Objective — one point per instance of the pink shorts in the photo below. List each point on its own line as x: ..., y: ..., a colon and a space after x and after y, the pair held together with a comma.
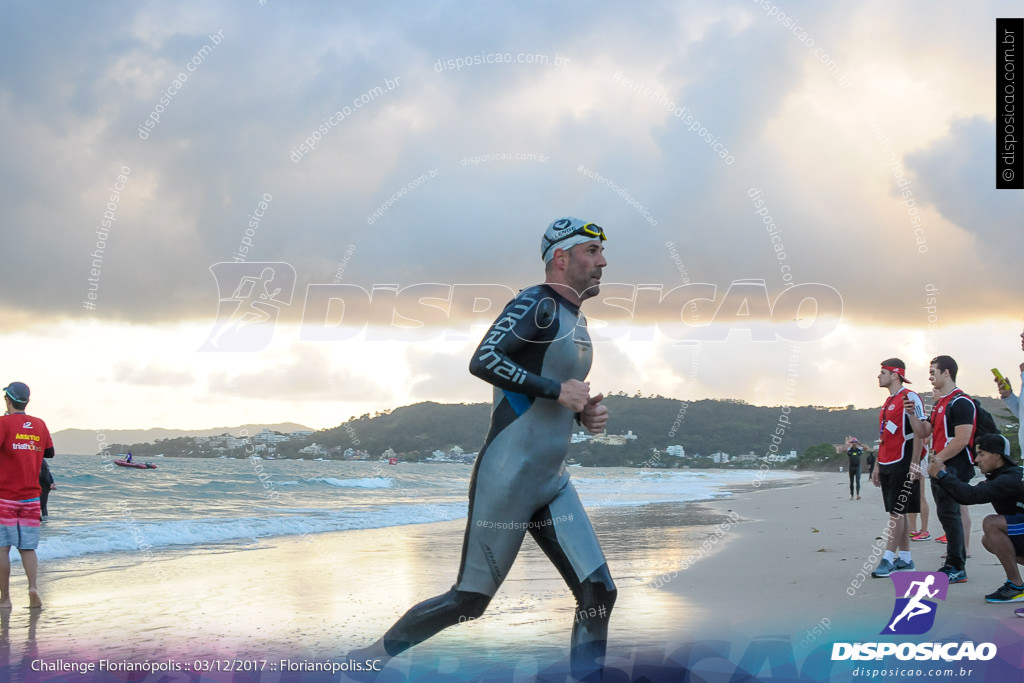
x: 19, y: 524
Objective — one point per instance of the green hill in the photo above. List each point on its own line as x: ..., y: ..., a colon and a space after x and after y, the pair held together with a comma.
x: 701, y: 427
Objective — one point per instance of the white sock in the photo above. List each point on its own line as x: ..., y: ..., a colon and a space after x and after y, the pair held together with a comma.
x: 905, y: 555
x: 889, y: 555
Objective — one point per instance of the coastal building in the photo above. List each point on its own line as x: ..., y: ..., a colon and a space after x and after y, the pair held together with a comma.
x: 782, y: 457
x: 720, y: 457
x: 676, y: 451
x: 268, y: 437
x: 579, y: 437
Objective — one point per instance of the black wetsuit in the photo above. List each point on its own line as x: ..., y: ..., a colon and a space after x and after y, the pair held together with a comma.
x: 519, y: 481
x: 45, y: 482
x: 854, y: 453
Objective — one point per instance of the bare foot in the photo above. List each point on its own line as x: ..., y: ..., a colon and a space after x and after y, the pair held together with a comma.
x: 33, y: 599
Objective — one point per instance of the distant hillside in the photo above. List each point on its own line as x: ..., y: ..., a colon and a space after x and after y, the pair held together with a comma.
x: 701, y: 427
x: 84, y: 441
x: 704, y: 427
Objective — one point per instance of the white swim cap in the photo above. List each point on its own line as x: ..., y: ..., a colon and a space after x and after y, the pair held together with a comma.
x: 566, y: 233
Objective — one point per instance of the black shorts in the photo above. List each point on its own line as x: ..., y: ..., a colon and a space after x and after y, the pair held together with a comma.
x: 1015, y: 529
x: 900, y: 494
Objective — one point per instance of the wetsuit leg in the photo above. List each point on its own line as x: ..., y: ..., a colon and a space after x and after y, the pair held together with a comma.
x: 431, y: 616
x: 595, y: 596
x: 488, y: 551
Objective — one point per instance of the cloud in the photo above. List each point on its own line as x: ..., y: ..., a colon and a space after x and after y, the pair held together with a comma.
x: 441, y: 376
x: 307, y: 376
x: 955, y: 174
x: 152, y: 375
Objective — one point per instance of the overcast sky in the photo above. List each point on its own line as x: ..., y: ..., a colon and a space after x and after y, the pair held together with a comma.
x: 762, y: 154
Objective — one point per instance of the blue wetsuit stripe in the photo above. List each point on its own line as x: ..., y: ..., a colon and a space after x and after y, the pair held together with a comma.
x: 519, y: 402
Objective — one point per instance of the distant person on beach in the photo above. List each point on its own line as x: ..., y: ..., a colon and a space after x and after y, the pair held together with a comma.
x: 1003, y: 532
x: 24, y: 442
x: 951, y: 428
x: 46, y: 484
x: 870, y: 460
x: 899, y: 464
x: 537, y: 355
x: 854, y: 452
x: 1013, y: 401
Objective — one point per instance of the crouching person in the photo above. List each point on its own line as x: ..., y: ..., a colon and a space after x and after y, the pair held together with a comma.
x: 1003, y: 488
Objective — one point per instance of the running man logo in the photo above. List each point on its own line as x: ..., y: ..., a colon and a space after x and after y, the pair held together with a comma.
x: 913, y: 613
x: 250, y: 298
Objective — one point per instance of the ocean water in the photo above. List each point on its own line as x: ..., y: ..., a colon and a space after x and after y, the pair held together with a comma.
x: 104, y: 515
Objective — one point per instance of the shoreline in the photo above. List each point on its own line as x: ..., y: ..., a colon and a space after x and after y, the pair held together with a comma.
x: 322, y: 595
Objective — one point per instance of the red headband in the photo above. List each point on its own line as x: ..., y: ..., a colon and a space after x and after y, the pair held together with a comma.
x: 897, y: 371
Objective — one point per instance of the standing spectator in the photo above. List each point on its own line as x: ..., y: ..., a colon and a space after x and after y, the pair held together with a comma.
x: 951, y: 427
x: 899, y: 460
x: 1013, y: 401
x: 854, y: 451
x: 24, y: 441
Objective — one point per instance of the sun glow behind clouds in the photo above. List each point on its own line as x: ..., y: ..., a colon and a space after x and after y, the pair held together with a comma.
x: 116, y: 376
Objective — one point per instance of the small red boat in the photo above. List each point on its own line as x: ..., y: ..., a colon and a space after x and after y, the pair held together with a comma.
x: 136, y: 465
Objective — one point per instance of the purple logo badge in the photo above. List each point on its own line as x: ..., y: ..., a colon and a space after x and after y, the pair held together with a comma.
x: 914, y: 611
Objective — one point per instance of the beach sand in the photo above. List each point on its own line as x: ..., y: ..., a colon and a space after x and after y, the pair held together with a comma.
x: 797, y: 571
x: 775, y: 563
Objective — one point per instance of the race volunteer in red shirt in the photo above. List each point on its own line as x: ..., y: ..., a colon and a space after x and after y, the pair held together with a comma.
x: 24, y: 441
x: 899, y: 460
x: 951, y: 426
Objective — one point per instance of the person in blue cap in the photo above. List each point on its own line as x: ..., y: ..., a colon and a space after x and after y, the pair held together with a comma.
x: 24, y: 442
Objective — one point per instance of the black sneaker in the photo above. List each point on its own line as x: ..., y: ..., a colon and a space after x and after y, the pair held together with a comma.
x: 1006, y: 593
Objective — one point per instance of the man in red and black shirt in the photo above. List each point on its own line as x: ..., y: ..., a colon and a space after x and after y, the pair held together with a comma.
x: 951, y: 427
x: 24, y: 441
x: 899, y: 464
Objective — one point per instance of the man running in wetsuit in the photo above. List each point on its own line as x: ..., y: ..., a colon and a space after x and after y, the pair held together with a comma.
x: 536, y: 355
